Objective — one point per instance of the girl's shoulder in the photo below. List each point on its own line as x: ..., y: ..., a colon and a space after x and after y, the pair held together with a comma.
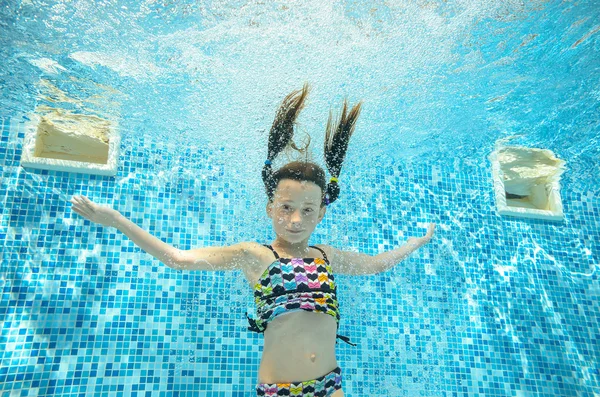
x: 329, y: 250
x: 252, y: 248
x: 255, y: 252
x: 334, y: 256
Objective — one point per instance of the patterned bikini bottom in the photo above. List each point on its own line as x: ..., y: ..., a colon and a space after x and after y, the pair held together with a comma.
x: 324, y: 386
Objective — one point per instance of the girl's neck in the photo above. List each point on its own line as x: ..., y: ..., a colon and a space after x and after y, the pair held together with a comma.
x: 295, y: 250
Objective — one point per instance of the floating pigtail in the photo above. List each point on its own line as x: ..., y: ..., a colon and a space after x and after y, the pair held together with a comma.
x: 337, y: 137
x: 282, y: 132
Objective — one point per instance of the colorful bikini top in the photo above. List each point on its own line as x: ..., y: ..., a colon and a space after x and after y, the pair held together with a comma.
x: 294, y: 284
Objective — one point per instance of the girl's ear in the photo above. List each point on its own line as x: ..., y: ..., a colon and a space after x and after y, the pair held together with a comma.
x: 269, y: 209
x: 322, y: 212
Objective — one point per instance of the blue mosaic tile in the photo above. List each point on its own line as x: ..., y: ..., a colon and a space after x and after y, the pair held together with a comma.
x: 509, y: 309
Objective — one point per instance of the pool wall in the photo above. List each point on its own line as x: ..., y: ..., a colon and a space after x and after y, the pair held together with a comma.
x: 493, y: 306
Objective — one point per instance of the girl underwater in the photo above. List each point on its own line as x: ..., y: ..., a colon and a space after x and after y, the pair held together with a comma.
x: 287, y: 276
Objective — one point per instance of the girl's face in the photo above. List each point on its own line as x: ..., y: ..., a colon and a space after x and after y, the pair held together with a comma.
x: 296, y: 209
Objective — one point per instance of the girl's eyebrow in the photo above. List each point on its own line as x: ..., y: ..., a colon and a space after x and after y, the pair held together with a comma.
x: 304, y: 202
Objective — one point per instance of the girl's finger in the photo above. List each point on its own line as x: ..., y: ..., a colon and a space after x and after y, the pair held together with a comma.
x: 83, y: 203
x: 88, y: 203
x: 82, y: 210
x: 77, y: 212
x: 431, y: 229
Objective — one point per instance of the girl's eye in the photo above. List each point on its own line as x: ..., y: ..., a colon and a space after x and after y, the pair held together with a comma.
x: 308, y: 210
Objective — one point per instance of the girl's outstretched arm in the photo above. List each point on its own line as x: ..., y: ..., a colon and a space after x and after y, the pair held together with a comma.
x: 210, y: 258
x: 355, y: 263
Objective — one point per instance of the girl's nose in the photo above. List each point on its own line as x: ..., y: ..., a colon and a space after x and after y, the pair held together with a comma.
x: 296, y: 218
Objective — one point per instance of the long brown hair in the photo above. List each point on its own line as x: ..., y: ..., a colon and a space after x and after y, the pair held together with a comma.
x: 337, y: 137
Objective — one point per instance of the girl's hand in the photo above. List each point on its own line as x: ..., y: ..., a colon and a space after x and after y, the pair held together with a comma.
x: 105, y: 216
x: 425, y: 239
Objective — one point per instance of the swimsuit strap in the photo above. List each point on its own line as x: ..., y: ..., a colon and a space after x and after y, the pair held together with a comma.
x: 323, y: 252
x: 344, y: 338
x: 271, y: 248
x: 312, y: 246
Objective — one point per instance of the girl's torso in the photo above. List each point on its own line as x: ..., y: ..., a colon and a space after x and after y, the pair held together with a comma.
x: 299, y: 345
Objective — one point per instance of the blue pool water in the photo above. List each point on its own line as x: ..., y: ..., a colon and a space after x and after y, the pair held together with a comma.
x: 493, y: 306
